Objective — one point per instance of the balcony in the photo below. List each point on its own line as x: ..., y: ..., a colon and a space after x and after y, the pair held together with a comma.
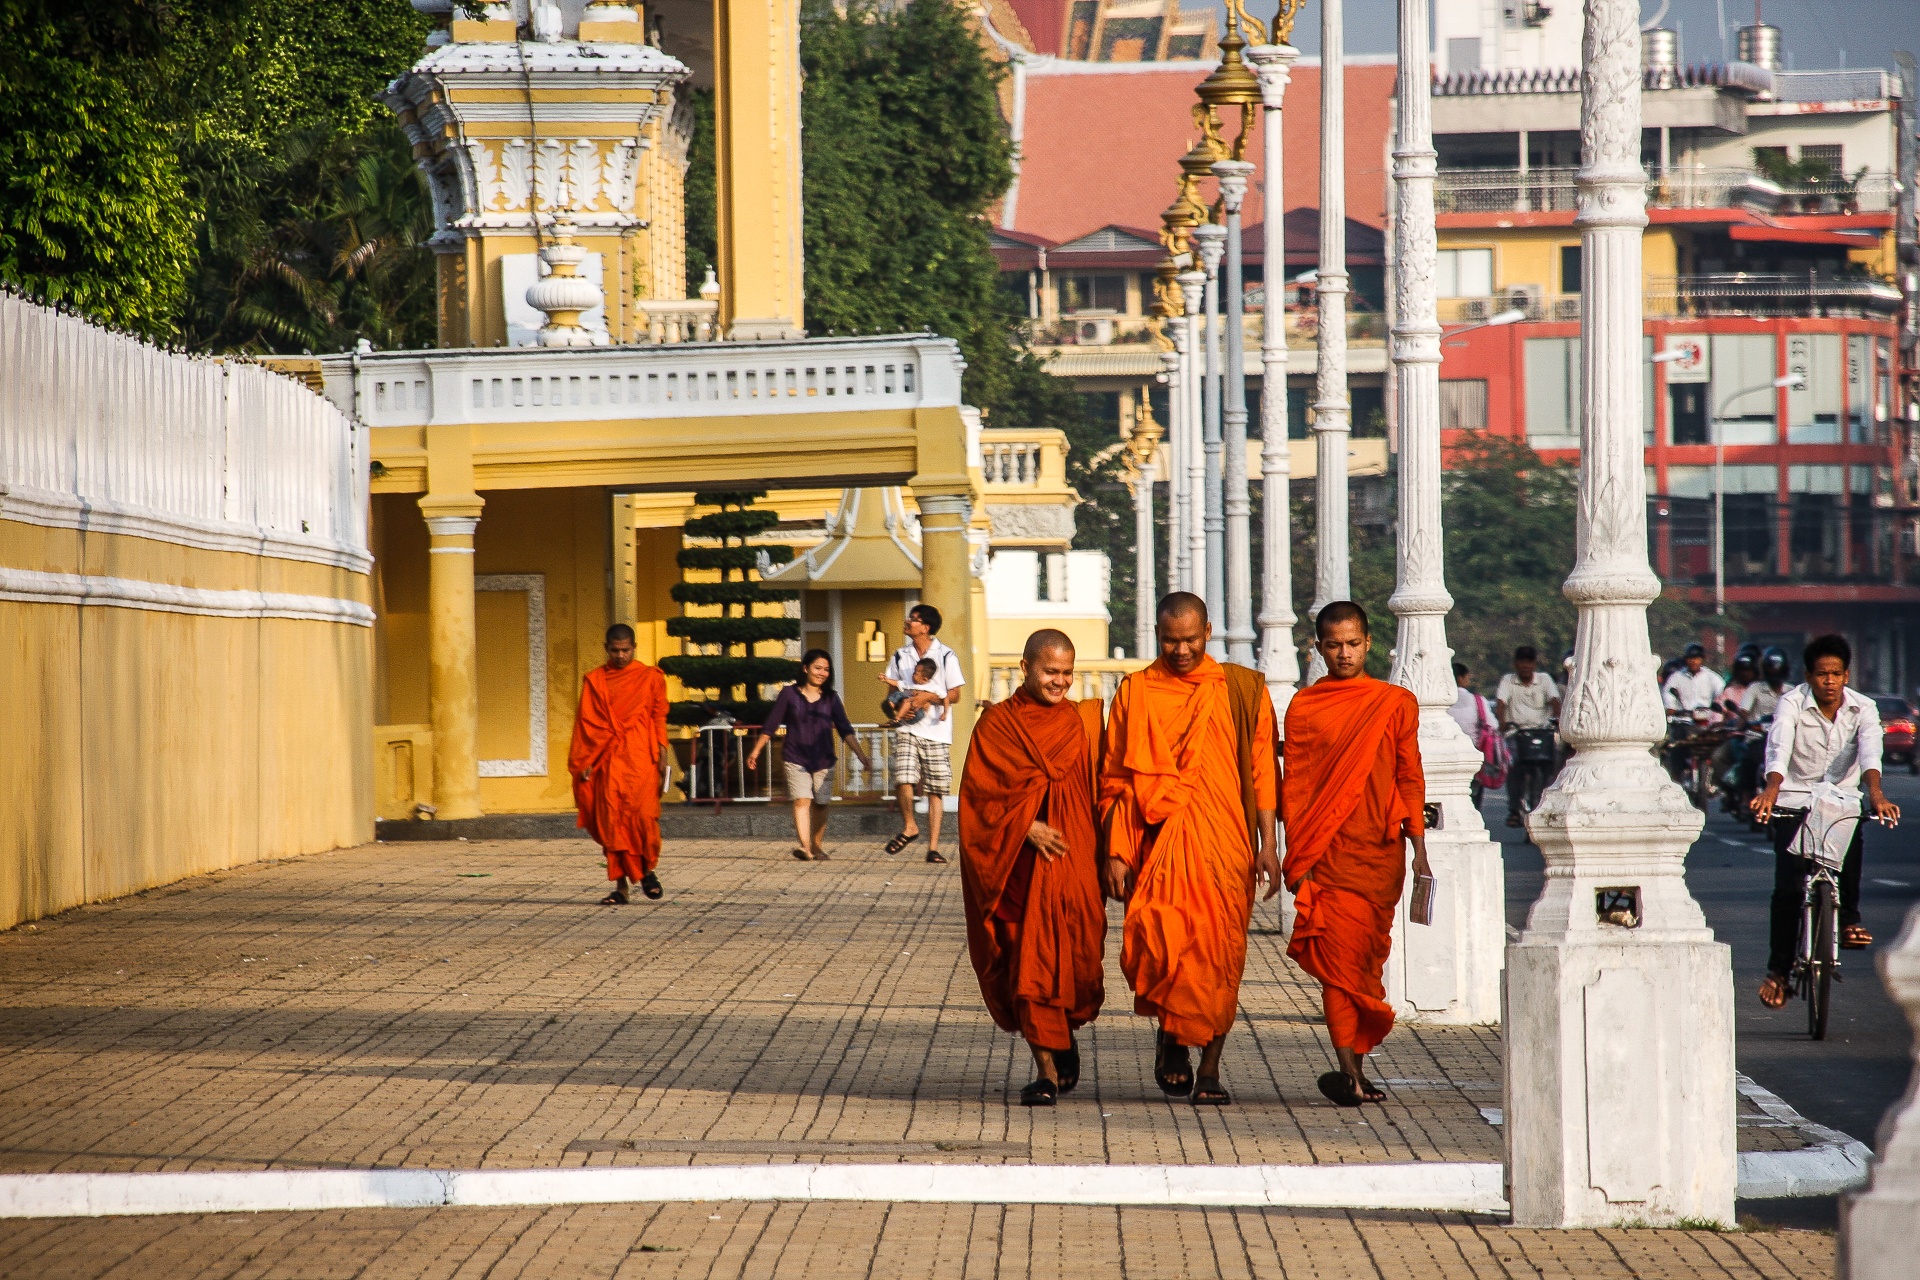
x: 1675, y: 187
x: 1809, y: 295
x: 1122, y: 331
x: 1825, y: 543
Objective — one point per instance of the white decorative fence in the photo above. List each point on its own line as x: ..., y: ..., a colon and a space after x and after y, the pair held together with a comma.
x: 102, y: 431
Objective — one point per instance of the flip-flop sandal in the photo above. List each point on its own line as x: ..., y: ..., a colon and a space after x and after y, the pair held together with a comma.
x: 1041, y: 1093
x: 800, y: 855
x: 1855, y: 938
x: 614, y: 899
x: 1340, y: 1089
x: 1208, y: 1093
x: 650, y: 885
x: 819, y: 855
x: 1066, y: 1065
x: 1778, y: 986
x: 901, y: 841
x: 1167, y: 1068
x: 933, y: 855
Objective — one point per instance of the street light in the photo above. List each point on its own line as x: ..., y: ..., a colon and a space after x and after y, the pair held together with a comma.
x: 1513, y: 315
x: 1794, y: 380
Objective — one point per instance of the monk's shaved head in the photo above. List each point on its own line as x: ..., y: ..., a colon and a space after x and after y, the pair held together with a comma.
x: 1047, y: 640
x: 1337, y: 612
x: 1182, y: 604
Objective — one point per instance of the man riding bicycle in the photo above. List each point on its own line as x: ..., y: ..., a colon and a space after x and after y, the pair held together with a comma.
x: 1525, y: 700
x: 1822, y: 732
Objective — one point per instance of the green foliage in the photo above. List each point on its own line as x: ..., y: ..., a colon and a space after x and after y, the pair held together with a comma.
x: 702, y: 193
x: 734, y: 678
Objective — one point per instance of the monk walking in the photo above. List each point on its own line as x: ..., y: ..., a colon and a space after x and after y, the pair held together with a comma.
x: 617, y: 758
x: 1036, y: 922
x: 1187, y: 812
x: 1353, y: 798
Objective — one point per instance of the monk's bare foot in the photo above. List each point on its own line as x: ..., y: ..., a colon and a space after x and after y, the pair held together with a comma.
x: 1354, y: 1067
x: 1208, y: 1092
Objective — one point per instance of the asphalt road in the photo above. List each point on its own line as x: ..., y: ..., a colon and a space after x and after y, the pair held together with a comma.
x: 1847, y: 1081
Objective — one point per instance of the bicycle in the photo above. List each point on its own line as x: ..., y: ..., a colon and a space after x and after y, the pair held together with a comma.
x: 1817, y: 959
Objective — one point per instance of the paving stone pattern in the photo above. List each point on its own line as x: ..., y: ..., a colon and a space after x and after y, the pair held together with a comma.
x: 467, y: 1005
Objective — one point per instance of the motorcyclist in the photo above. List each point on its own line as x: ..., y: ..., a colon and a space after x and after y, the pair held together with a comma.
x: 1690, y: 694
x: 1525, y: 699
x: 1727, y: 756
x: 1756, y: 709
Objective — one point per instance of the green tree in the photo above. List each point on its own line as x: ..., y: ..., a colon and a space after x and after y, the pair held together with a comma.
x: 702, y: 192
x: 733, y: 673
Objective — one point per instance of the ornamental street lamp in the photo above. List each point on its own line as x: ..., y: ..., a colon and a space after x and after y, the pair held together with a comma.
x: 1211, y: 242
x: 1794, y: 380
x: 1332, y: 417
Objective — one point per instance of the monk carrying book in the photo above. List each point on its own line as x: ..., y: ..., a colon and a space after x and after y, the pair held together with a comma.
x: 1352, y: 799
x: 618, y: 752
x: 1036, y: 921
x: 1187, y: 813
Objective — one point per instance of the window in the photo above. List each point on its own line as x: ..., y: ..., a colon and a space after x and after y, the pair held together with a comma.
x: 1463, y: 54
x: 1553, y: 393
x: 1569, y: 268
x: 1860, y: 389
x: 1297, y: 401
x: 1367, y: 409
x: 1463, y: 404
x: 1687, y: 411
x: 1813, y: 410
x: 1743, y: 394
x: 1084, y: 291
x: 1830, y: 154
x: 1466, y: 273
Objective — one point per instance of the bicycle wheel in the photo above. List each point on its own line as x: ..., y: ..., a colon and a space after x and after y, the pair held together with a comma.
x: 1825, y: 917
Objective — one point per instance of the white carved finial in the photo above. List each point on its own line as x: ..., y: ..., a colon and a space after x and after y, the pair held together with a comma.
x: 546, y: 20
x: 564, y: 294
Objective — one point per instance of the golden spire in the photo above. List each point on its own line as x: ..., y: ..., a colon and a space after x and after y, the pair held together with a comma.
x: 1232, y: 83
x: 1282, y: 20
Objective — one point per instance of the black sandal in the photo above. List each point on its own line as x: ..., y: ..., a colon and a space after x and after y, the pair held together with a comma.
x: 1066, y: 1065
x: 617, y: 898
x: 820, y: 855
x: 933, y: 855
x: 1174, y: 1074
x: 1343, y: 1090
x: 650, y: 885
x: 800, y: 855
x: 1041, y: 1093
x: 1207, y: 1092
x: 901, y: 841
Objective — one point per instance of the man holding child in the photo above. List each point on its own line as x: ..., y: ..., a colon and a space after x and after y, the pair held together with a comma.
x: 924, y: 682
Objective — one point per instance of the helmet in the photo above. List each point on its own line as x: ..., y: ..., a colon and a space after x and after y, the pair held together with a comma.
x: 1695, y: 651
x: 1773, y: 664
x: 1748, y: 663
x: 1749, y: 652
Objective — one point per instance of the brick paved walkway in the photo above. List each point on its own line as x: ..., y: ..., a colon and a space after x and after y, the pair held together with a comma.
x: 468, y: 1006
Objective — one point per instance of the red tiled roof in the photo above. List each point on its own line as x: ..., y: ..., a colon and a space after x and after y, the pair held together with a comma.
x: 1100, y: 143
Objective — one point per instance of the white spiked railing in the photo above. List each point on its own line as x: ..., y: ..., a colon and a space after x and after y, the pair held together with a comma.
x: 103, y: 431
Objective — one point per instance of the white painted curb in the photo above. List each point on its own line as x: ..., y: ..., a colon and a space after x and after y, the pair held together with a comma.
x: 1832, y: 1163
x: 1466, y: 1188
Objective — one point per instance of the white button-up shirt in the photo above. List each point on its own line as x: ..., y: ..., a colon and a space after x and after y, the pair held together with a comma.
x: 1689, y: 692
x: 1804, y: 747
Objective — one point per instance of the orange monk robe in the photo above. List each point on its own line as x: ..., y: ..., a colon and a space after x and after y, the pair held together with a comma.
x: 618, y: 734
x: 1173, y: 809
x: 1352, y: 778
x: 1036, y: 927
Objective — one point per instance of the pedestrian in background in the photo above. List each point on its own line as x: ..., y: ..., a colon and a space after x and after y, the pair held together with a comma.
x: 1476, y: 718
x: 812, y: 713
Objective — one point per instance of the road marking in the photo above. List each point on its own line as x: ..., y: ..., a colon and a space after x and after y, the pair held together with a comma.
x: 1894, y: 884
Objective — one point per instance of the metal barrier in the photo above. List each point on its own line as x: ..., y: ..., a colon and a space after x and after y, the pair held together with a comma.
x: 712, y: 763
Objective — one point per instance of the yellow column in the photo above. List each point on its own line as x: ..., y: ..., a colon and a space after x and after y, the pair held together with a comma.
x: 454, y: 689
x: 946, y: 583
x: 756, y: 59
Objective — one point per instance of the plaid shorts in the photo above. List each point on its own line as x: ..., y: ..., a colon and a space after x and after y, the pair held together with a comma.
x: 917, y: 761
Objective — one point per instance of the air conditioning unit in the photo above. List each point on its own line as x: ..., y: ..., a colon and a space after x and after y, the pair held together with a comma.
x: 1529, y: 298
x: 1566, y: 308
x: 1473, y: 310
x: 1093, y: 331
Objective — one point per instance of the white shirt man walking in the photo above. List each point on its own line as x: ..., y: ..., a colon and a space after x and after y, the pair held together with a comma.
x: 923, y: 748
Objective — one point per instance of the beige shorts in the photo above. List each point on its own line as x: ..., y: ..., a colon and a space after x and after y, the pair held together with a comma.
x: 816, y: 786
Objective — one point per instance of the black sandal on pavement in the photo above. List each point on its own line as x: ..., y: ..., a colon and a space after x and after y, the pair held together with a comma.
x: 1854, y: 937
x: 1207, y: 1092
x: 1341, y: 1090
x: 615, y: 899
x: 1066, y: 1065
x: 800, y: 855
x: 1041, y: 1093
x: 650, y: 885
x: 1773, y: 991
x: 901, y: 841
x: 933, y: 855
x: 1172, y: 1066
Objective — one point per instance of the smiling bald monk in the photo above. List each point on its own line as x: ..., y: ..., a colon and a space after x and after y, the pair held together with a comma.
x: 1036, y: 922
x: 1187, y: 812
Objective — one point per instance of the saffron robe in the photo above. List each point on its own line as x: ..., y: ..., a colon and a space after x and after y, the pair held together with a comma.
x: 618, y: 734
x: 1352, y: 780
x: 1173, y: 809
x: 1036, y: 927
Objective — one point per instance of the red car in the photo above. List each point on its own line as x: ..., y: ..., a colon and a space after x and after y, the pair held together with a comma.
x: 1897, y: 718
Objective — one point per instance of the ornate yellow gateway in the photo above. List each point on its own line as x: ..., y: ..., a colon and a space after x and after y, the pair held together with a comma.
x: 530, y: 476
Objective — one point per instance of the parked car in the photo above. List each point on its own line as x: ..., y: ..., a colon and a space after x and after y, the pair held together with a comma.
x: 1897, y: 718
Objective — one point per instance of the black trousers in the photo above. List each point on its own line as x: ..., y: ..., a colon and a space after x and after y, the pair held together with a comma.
x: 1790, y: 873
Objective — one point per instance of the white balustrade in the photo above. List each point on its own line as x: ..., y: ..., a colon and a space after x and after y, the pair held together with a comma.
x: 681, y: 320
x: 98, y: 426
x: 1017, y: 462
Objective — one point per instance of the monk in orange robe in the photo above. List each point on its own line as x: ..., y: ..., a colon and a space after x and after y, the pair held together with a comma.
x: 616, y: 760
x: 1353, y: 798
x: 1029, y: 874
x: 1187, y: 814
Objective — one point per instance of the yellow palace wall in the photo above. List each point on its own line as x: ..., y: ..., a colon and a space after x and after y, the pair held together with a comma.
x: 148, y: 746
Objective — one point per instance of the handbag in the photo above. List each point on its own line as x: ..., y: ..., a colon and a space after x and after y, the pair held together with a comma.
x: 1492, y: 747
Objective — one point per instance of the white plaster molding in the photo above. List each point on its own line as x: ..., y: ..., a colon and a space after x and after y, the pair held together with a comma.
x: 1878, y: 1227
x: 1279, y: 656
x: 534, y: 765
x: 1430, y: 1186
x: 1619, y: 1071
x: 35, y: 586
x: 53, y: 510
x: 1031, y: 520
x: 452, y: 526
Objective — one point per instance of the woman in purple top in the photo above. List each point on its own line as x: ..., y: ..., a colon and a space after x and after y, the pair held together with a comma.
x: 811, y: 712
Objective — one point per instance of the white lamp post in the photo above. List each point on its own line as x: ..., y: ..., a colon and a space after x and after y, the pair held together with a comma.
x: 1619, y: 1070
x: 1279, y: 658
x: 1210, y: 242
x: 1193, y: 285
x: 1332, y: 416
x: 1447, y: 971
x: 1175, y: 362
x: 1794, y: 380
x: 1238, y: 509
